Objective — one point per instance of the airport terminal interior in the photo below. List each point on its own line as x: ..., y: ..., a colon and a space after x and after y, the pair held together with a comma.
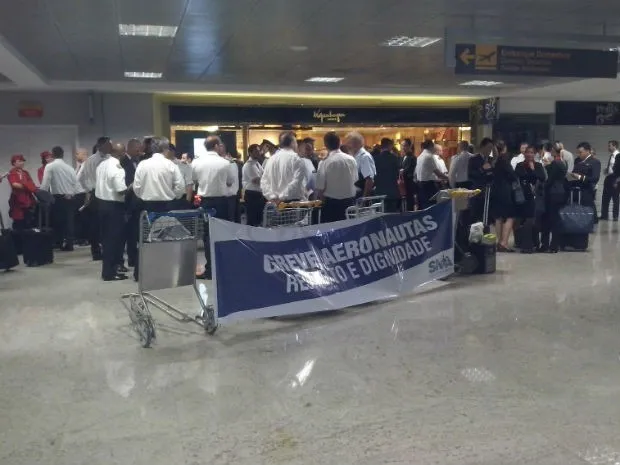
x: 409, y: 330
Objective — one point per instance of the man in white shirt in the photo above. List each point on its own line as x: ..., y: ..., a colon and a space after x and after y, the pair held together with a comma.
x: 216, y: 177
x: 335, y: 180
x: 427, y: 172
x: 87, y: 178
x: 521, y: 157
x: 81, y: 222
x: 61, y: 181
x: 366, y: 169
x: 110, y: 189
x: 567, y: 157
x: 458, y: 167
x: 251, y: 175
x: 438, y: 155
x: 611, y: 193
x: 306, y: 151
x: 285, y: 177
x: 185, y: 201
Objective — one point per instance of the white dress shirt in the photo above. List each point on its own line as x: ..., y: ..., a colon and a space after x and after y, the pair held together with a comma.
x: 87, y: 175
x: 78, y: 168
x: 547, y: 158
x: 337, y: 175
x: 441, y: 165
x: 60, y: 179
x: 426, y: 167
x: 158, y: 179
x: 215, y: 175
x: 251, y: 171
x: 365, y: 164
x: 110, y: 184
x: 612, y: 160
x: 284, y: 177
x: 458, y: 168
x: 310, y: 175
x: 516, y: 160
x: 233, y: 189
x: 186, y: 171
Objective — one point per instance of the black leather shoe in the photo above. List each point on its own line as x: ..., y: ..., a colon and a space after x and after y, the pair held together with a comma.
x: 118, y: 277
x: 122, y: 269
x: 97, y: 258
x: 603, y: 218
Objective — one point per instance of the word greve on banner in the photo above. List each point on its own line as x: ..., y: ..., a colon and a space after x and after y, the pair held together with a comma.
x: 262, y: 273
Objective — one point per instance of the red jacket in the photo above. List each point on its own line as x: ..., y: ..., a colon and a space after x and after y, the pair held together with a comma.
x: 40, y: 172
x: 21, y: 199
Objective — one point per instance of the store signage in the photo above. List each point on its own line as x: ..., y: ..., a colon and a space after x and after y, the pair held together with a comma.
x: 587, y: 113
x: 30, y: 110
x: 535, y: 61
x: 329, y: 116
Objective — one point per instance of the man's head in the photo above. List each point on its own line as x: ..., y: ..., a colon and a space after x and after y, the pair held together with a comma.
x: 159, y: 145
x: 58, y: 152
x: 331, y: 141
x: 147, y: 146
x: 428, y: 145
x: 387, y: 144
x: 501, y: 147
x: 171, y: 153
x: 438, y: 150
x: 118, y: 151
x: 529, y: 153
x: 523, y: 147
x: 104, y: 145
x: 18, y: 161
x: 287, y: 140
x: 306, y: 147
x: 134, y: 148
x: 486, y: 147
x: 266, y: 146
x: 463, y: 146
x: 46, y: 157
x: 81, y: 155
x: 186, y: 158
x: 254, y: 152
x: 407, y: 146
x: 355, y: 142
x: 584, y: 149
x: 214, y: 144
x: 612, y: 146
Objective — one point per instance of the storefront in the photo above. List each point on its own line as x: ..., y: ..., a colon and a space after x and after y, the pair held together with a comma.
x: 241, y: 126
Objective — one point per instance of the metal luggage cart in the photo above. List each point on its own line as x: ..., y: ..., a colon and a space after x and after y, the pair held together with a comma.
x: 292, y: 214
x: 168, y: 255
x: 366, y: 206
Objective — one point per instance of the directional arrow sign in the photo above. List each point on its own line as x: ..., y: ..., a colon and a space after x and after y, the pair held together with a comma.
x: 467, y: 57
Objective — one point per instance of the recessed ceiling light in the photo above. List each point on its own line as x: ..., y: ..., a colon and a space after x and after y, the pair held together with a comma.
x: 404, y: 41
x: 147, y: 30
x: 298, y: 48
x: 324, y: 79
x: 142, y: 75
x: 481, y: 83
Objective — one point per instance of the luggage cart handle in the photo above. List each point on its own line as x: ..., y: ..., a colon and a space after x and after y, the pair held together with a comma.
x: 305, y: 204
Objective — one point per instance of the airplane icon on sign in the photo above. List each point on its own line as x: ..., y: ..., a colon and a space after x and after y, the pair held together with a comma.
x: 487, y: 57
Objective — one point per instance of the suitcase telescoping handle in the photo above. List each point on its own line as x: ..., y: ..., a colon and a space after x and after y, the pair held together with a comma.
x: 572, y: 197
x: 487, y: 201
x: 1, y: 221
x: 44, y: 210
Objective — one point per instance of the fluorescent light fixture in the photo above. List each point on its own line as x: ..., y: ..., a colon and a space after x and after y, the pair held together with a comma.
x: 324, y: 79
x: 142, y: 75
x: 147, y: 30
x: 404, y: 41
x: 212, y: 128
x: 481, y: 83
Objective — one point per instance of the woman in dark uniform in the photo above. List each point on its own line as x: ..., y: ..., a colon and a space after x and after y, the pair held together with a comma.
x: 503, y: 208
x: 555, y: 198
x: 532, y: 176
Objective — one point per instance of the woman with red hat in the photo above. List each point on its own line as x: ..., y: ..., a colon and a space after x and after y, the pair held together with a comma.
x: 46, y: 157
x: 21, y: 202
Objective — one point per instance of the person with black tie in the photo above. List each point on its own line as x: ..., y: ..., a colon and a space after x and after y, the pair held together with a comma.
x: 585, y: 176
x: 555, y: 198
x: 611, y: 193
x: 129, y: 163
x: 409, y: 164
x: 110, y: 193
x: 480, y: 174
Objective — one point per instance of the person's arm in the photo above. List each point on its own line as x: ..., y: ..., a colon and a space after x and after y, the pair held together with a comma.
x: 178, y: 183
x: 616, y: 168
x: 298, y: 183
x: 85, y: 175
x: 118, y: 181
x: 438, y: 170
x: 138, y: 181
x: 14, y: 180
x: 452, y: 171
x: 540, y: 172
x: 266, y: 184
x: 320, y: 182
x: 368, y: 170
x: 47, y: 178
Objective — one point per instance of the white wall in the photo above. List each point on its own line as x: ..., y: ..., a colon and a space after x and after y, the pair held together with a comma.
x: 597, y: 136
x: 120, y: 116
x: 526, y: 105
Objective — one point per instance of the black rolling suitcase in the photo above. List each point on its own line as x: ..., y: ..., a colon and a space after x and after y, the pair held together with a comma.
x: 8, y: 252
x: 486, y: 254
x: 38, y: 243
x: 577, y: 222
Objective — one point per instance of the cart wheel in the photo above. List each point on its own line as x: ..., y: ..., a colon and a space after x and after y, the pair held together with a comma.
x: 209, y: 321
x: 142, y: 322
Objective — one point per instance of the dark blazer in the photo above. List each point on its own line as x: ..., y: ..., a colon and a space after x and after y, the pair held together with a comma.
x: 616, y: 168
x: 409, y: 164
x: 130, y: 169
x: 555, y: 190
x: 478, y: 176
x: 388, y: 168
x: 591, y: 169
x: 531, y: 182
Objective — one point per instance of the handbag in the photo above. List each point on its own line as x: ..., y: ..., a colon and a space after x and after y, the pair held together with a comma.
x: 517, y: 193
x: 402, y: 189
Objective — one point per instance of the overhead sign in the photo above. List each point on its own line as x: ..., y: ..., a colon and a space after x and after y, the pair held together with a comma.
x: 327, y: 267
x: 534, y: 61
x: 30, y: 110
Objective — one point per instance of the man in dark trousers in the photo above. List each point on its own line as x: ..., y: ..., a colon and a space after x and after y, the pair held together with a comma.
x: 110, y: 190
x: 480, y: 174
x: 611, y: 193
x: 129, y: 163
x: 409, y: 164
x: 585, y: 176
x: 386, y: 182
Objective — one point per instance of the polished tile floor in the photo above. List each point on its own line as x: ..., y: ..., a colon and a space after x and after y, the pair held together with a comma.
x: 521, y: 367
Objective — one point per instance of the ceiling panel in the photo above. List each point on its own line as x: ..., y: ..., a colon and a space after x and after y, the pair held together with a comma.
x: 253, y: 41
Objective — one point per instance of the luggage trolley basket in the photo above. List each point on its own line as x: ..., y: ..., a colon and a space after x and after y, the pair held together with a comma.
x: 168, y: 255
x: 366, y: 206
x: 287, y: 214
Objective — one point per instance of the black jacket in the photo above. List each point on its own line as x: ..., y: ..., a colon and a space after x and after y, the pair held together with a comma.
x: 130, y: 169
x: 478, y: 176
x: 555, y: 185
x: 591, y: 169
x: 388, y: 169
x: 409, y: 164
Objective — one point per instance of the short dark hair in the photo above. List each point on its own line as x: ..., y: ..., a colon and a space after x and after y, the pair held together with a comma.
x: 463, y: 145
x: 428, y: 145
x: 547, y: 146
x: 212, y: 141
x: 501, y: 146
x: 408, y: 141
x: 471, y: 148
x: 287, y: 138
x: 585, y: 146
x: 308, y: 140
x: 253, y: 147
x: 58, y: 152
x: 331, y: 141
x: 386, y: 142
x: 102, y: 140
x: 486, y: 141
x: 614, y: 143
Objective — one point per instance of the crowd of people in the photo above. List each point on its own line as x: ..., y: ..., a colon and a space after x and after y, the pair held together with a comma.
x: 99, y: 202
